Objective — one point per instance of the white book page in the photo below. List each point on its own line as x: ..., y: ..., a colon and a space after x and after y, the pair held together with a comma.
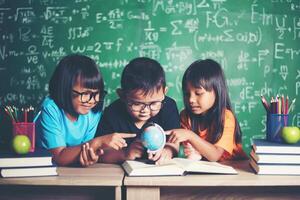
x: 203, y: 166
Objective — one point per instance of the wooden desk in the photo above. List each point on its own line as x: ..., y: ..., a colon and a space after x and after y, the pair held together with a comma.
x: 245, y: 185
x: 100, y: 181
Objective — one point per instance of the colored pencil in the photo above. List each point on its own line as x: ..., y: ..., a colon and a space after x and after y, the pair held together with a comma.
x: 276, y: 105
x: 265, y: 103
x: 272, y: 105
x: 9, y: 114
x: 279, y: 106
x: 286, y: 105
x: 282, y: 105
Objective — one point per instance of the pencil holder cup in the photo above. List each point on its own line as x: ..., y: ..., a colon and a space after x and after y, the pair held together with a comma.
x: 24, y: 128
x: 275, y: 122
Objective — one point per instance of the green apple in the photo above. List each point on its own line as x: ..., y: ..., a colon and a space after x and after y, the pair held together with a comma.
x: 290, y: 134
x: 21, y: 144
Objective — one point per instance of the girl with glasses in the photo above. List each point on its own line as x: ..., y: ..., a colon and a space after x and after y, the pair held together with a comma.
x: 70, y: 114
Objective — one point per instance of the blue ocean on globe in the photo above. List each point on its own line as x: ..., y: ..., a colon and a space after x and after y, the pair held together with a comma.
x: 153, y: 138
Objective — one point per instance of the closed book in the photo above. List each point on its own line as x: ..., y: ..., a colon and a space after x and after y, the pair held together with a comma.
x: 28, y: 171
x: 175, y: 167
x: 264, y: 146
x: 275, y: 169
x: 39, y: 157
x: 268, y: 158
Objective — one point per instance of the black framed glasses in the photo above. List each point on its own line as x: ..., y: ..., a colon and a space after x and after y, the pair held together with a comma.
x: 139, y: 106
x: 86, y: 97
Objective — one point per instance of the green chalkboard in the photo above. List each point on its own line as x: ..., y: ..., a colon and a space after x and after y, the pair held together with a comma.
x: 256, y: 42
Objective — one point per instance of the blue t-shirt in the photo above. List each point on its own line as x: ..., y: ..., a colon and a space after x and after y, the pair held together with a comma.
x: 54, y: 129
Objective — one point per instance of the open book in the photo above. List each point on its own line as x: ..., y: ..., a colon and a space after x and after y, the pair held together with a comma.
x: 176, y: 166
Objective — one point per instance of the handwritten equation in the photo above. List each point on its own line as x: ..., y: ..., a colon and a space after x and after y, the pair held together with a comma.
x: 257, y: 43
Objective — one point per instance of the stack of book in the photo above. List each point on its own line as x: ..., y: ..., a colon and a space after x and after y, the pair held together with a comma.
x: 275, y: 158
x: 38, y: 163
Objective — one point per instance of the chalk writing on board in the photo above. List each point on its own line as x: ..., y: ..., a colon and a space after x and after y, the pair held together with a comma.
x: 257, y: 43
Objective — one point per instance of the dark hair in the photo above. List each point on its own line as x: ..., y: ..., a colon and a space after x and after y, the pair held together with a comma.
x: 209, y: 75
x: 69, y: 70
x: 143, y: 74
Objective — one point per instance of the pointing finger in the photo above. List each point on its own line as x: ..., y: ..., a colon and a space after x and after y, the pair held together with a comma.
x: 127, y: 135
x: 169, y: 132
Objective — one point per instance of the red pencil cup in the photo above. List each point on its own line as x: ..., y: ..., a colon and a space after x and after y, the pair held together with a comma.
x: 24, y: 128
x: 275, y: 122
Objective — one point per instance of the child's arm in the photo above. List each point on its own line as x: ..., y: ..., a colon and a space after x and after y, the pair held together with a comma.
x: 88, y: 156
x: 134, y: 151
x: 66, y: 155
x: 83, y: 154
x: 112, y: 142
x: 115, y: 140
x: 112, y: 156
x: 205, y: 148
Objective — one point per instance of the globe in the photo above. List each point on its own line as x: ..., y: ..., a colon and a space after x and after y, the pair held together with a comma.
x: 153, y: 138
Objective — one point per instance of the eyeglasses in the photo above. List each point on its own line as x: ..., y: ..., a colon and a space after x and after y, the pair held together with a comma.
x: 86, y: 97
x: 139, y: 106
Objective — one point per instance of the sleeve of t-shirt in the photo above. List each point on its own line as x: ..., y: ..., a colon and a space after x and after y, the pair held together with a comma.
x: 227, y: 140
x: 52, y: 135
x: 170, y: 115
x: 94, y: 119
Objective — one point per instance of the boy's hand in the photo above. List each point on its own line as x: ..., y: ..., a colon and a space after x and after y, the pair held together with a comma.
x: 88, y: 156
x: 161, y: 156
x: 135, y: 150
x: 114, y: 140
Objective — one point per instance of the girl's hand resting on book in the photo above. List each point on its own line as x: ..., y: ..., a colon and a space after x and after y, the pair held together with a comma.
x: 135, y: 150
x: 88, y: 156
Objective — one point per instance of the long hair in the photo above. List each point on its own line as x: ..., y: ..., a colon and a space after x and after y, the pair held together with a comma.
x: 209, y: 75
